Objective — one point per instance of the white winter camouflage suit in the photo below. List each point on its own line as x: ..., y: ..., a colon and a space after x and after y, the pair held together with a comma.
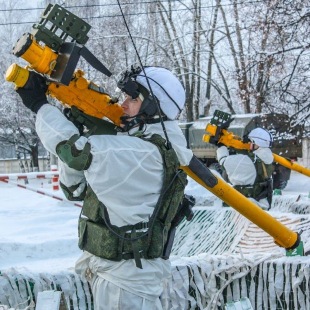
x: 241, y: 170
x: 126, y: 175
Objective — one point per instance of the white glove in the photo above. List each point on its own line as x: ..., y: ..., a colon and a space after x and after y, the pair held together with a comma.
x: 221, y: 154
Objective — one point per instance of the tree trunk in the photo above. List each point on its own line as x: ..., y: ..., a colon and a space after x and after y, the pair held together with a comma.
x: 210, y: 62
x: 35, y: 158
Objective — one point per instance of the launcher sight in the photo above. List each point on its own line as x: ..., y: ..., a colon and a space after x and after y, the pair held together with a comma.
x: 64, y: 36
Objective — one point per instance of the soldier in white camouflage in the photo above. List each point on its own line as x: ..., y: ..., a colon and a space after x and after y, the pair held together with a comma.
x: 130, y: 183
x: 250, y: 172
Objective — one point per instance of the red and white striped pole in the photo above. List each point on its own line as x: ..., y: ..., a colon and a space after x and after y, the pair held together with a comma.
x: 55, y: 178
x: 29, y: 175
x: 8, y: 181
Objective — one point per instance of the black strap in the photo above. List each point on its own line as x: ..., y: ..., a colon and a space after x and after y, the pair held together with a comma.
x: 136, y: 253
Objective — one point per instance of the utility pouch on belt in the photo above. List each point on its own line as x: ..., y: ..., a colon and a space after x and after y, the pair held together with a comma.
x: 184, y: 211
x: 103, y: 242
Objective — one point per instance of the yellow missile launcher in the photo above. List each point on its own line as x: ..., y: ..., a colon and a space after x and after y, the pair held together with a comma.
x: 223, y: 136
x: 81, y: 93
x: 57, y: 58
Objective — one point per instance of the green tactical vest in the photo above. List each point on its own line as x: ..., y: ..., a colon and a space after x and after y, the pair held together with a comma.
x: 259, y: 189
x: 99, y: 237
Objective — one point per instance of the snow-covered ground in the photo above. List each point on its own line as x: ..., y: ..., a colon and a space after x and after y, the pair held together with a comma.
x: 38, y: 249
x: 39, y: 232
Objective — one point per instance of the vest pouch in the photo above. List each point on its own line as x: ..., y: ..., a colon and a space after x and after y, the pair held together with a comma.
x: 245, y: 190
x: 98, y: 240
x: 82, y: 232
x: 148, y: 247
x: 260, y: 190
x: 91, y: 207
x: 158, y: 240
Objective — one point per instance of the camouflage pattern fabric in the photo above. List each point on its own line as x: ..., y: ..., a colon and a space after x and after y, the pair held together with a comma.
x: 99, y: 237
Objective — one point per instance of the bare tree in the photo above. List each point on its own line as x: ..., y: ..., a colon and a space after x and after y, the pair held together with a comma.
x: 187, y: 67
x: 267, y: 56
x: 210, y: 61
x: 238, y: 56
x: 16, y: 121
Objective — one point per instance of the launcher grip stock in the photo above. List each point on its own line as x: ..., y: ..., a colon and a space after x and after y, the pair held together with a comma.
x: 87, y: 97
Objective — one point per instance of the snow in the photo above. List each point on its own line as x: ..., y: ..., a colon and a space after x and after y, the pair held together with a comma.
x: 39, y: 247
x: 39, y: 233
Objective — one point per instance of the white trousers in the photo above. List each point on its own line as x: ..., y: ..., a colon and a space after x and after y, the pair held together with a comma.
x: 121, y: 285
x: 108, y: 296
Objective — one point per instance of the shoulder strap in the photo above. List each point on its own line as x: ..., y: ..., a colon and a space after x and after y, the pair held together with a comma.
x: 264, y: 170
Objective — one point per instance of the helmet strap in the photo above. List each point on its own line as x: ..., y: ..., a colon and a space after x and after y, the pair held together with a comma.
x: 137, y: 120
x: 155, y: 120
x: 134, y: 121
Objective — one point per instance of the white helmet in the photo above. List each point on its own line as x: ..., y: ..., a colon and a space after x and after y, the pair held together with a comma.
x: 165, y: 87
x: 261, y: 137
